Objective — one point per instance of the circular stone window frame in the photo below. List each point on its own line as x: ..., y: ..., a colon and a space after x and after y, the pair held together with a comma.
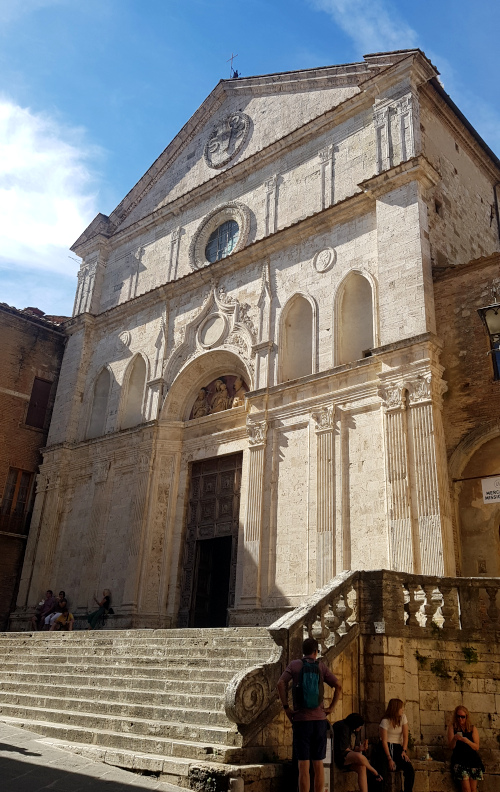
x: 234, y: 210
x: 221, y: 335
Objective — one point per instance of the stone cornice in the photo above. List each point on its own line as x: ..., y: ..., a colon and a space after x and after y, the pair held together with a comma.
x: 416, y: 169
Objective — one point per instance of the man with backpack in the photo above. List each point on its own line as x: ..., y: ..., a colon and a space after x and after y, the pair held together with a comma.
x: 308, y: 716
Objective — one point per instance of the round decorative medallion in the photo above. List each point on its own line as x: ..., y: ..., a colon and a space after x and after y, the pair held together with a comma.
x: 226, y: 139
x: 324, y: 259
x: 212, y: 331
x: 222, y: 232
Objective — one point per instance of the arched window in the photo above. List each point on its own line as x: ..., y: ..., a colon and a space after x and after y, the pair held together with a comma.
x: 355, y: 319
x: 134, y: 397
x: 297, y: 339
x: 100, y: 404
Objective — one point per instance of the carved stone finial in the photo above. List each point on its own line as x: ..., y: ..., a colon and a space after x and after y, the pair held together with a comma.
x: 257, y: 433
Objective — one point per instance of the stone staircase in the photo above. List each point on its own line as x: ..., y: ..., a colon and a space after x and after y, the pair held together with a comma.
x: 148, y: 700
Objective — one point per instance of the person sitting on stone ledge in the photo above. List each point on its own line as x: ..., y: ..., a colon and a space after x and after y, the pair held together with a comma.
x: 43, y: 609
x: 56, y: 611
x: 349, y: 757
x: 65, y: 619
x: 103, y: 609
x: 394, y: 742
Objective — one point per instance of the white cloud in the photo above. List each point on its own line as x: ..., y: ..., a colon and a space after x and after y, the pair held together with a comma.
x: 373, y: 25
x: 47, y: 195
x: 12, y: 10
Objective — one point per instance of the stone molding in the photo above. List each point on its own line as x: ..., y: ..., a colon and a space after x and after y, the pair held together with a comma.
x: 416, y: 169
x: 233, y: 210
x: 238, y: 334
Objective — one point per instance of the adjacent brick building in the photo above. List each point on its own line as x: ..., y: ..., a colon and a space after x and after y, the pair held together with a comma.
x: 31, y: 351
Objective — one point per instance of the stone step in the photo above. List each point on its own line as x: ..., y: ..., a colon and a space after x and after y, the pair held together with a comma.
x: 151, y: 661
x: 140, y: 727
x: 138, y: 743
x: 118, y: 709
x: 164, y: 700
x: 183, y: 686
x: 261, y: 653
x: 80, y: 670
x: 174, y: 770
x: 190, y: 636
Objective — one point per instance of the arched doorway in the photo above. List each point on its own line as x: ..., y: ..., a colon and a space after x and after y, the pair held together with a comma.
x: 479, y: 514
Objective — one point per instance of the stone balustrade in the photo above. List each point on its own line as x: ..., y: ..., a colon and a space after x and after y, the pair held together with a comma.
x: 395, y: 604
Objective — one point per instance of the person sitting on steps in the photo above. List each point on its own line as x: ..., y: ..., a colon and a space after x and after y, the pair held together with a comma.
x: 65, y: 619
x: 103, y: 609
x: 394, y: 734
x: 348, y: 757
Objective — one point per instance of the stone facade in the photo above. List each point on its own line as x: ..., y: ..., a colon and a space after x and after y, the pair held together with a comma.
x: 322, y: 304
x: 31, y: 355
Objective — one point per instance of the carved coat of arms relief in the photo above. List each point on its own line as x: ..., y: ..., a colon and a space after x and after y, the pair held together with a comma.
x: 226, y: 139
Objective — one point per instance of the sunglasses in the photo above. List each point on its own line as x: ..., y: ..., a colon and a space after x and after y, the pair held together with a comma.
x: 461, y: 717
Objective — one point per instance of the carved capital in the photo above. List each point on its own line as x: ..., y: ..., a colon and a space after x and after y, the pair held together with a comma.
x: 324, y: 419
x: 326, y: 153
x: 257, y: 433
x: 100, y: 472
x: 271, y: 183
x: 380, y: 116
x: 420, y: 389
x: 177, y: 233
x: 393, y: 396
x: 143, y: 463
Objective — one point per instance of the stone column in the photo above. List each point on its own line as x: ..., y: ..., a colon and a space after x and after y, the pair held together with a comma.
x: 96, y: 532
x: 396, y: 443
x: 132, y: 577
x: 381, y: 120
x: 175, y: 241
x: 324, y: 421
x: 431, y: 499
x: 251, y: 577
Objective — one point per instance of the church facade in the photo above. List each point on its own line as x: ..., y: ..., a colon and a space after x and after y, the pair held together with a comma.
x: 252, y: 390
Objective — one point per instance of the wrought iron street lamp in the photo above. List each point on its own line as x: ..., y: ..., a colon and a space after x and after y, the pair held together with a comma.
x: 490, y: 316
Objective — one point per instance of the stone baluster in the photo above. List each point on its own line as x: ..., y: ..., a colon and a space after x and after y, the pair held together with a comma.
x: 250, y: 594
x: 469, y: 607
x: 413, y: 605
x: 324, y: 421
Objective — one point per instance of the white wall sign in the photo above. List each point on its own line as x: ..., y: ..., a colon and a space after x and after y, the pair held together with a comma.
x: 491, y: 489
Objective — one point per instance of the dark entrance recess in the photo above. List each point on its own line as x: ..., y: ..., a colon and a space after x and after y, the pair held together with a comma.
x: 211, y: 543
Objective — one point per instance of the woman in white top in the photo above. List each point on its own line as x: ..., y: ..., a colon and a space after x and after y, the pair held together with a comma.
x: 394, y: 741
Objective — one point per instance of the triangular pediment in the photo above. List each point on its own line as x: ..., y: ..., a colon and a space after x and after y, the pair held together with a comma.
x: 255, y: 112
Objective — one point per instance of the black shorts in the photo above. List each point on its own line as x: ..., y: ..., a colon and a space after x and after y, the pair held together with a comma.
x: 309, y: 740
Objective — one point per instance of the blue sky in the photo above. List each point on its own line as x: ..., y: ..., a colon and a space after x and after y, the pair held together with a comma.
x: 91, y: 92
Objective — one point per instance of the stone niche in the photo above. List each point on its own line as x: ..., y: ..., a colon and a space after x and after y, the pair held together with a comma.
x: 221, y: 394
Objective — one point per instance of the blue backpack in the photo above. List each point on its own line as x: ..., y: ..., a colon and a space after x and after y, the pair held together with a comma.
x: 308, y: 692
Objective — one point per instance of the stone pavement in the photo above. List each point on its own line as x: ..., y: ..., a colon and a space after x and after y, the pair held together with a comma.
x: 29, y: 764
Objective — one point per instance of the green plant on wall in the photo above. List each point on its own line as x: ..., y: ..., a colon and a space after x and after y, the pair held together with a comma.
x: 421, y: 660
x: 470, y: 654
x: 439, y: 668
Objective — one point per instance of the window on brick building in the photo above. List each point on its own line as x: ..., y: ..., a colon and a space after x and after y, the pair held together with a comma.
x: 16, y: 501
x: 39, y: 401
